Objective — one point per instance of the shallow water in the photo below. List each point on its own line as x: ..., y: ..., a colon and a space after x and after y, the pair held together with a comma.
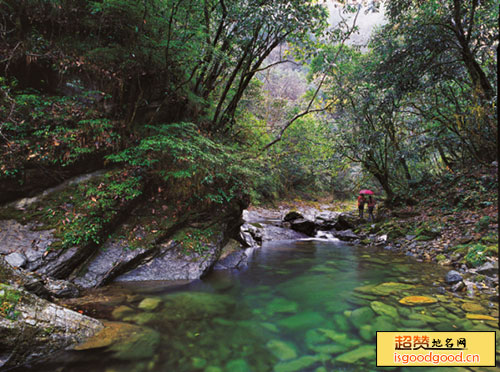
x: 298, y: 306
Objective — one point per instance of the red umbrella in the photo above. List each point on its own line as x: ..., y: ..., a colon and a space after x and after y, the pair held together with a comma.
x: 366, y: 192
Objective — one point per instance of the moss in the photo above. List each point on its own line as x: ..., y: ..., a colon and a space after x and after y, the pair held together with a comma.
x: 9, y: 298
x: 440, y: 257
x: 195, y: 240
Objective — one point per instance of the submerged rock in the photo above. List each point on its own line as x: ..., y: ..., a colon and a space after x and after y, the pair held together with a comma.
x: 471, y: 307
x: 299, y: 364
x: 384, y: 289
x: 361, y: 316
x: 480, y: 317
x: 383, y: 309
x: 238, y: 365
x: 121, y: 312
x: 281, y: 305
x: 282, y: 350
x: 361, y: 353
x: 195, y: 305
x: 417, y: 300
x: 126, y: 341
x: 304, y: 320
x: 149, y: 304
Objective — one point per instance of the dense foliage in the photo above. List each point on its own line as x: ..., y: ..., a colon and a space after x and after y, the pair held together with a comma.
x: 223, y: 99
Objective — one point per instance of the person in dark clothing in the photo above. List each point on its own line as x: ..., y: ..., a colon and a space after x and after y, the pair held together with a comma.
x: 371, y: 206
x: 361, y: 205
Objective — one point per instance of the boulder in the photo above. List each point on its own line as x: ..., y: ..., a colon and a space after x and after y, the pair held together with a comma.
x: 488, y: 268
x: 346, y: 221
x: 304, y: 226
x: 346, y: 235
x: 36, y: 328
x: 291, y: 216
x: 16, y: 259
x: 452, y: 277
x: 233, y: 261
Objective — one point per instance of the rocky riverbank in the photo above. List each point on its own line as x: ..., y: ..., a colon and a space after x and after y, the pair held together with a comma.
x: 466, y: 243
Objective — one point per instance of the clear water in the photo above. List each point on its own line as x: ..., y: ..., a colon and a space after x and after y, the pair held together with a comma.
x: 294, y: 308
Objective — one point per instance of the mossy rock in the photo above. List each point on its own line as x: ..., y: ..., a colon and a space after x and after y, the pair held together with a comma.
x: 361, y: 316
x: 395, y: 233
x: 480, y: 317
x: 383, y: 309
x: 367, y: 332
x: 122, y: 312
x: 238, y: 365
x: 304, y: 320
x: 196, y: 305
x: 440, y: 257
x: 384, y: 289
x: 281, y: 305
x: 126, y: 341
x: 282, y: 350
x: 417, y: 300
x: 300, y: 364
x: 471, y: 307
x: 365, y: 352
x: 150, y: 303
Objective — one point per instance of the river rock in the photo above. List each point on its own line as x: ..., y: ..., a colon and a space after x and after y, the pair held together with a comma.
x: 126, y: 341
x: 282, y: 350
x: 195, y: 306
x: 61, y: 288
x: 488, y: 268
x: 346, y: 221
x: 361, y: 353
x: 471, y: 307
x: 361, y: 316
x: 149, y: 304
x: 171, y: 263
x: 383, y: 323
x: 26, y: 240
x: 271, y: 233
x: 121, y: 312
x: 301, y: 321
x: 457, y: 287
x: 247, y: 239
x: 384, y: 289
x: 300, y: 364
x: 424, y: 318
x: 234, y: 260
x: 367, y: 333
x: 238, y: 365
x: 383, y: 309
x: 417, y: 300
x: 304, y: 226
x: 16, y: 259
x: 346, y: 235
x: 39, y: 328
x: 291, y: 216
x: 452, y: 277
x: 281, y: 305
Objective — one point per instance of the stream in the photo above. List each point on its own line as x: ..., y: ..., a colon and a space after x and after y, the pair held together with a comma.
x: 298, y: 306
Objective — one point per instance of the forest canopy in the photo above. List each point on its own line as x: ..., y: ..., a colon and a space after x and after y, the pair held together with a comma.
x: 176, y: 89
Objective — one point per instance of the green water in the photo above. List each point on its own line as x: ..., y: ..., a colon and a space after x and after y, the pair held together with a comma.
x: 299, y: 306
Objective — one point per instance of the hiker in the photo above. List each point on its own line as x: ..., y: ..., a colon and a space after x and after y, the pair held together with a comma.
x: 371, y: 206
x: 361, y: 204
